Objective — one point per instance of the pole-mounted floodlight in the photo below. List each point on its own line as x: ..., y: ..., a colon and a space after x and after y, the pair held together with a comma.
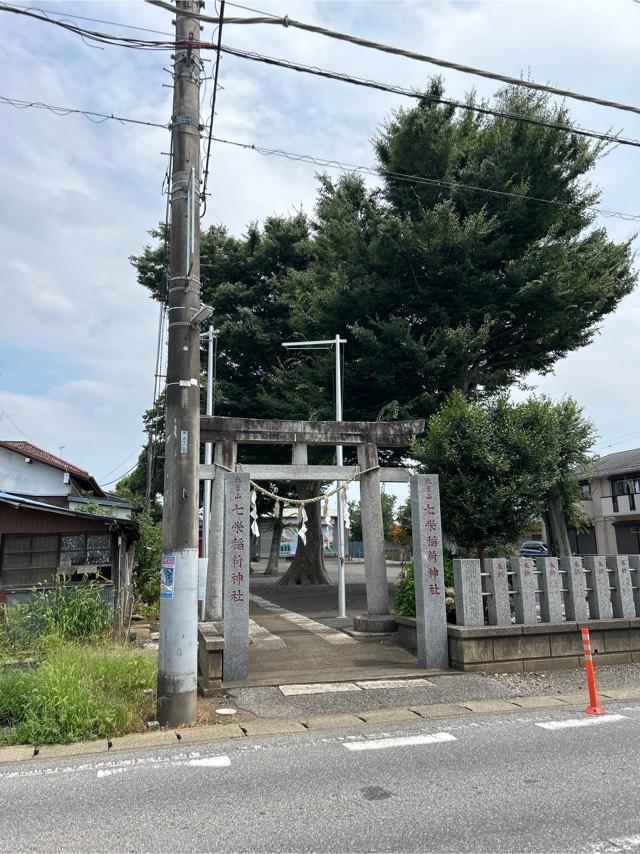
x: 325, y: 345
x: 203, y: 313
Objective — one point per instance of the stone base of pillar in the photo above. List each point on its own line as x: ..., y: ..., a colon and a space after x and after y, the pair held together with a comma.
x: 375, y: 623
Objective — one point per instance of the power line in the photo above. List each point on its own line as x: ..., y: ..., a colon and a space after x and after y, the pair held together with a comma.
x: 616, y: 440
x: 415, y: 179
x: 287, y: 22
x: 5, y: 414
x: 93, y: 20
x: 91, y: 35
x: 120, y: 477
x: 213, y: 110
x: 126, y: 460
x: 424, y: 96
x: 345, y: 167
x: 119, y: 41
x: 96, y: 118
x: 261, y: 12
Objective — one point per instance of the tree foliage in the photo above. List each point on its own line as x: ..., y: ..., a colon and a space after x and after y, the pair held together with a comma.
x: 388, y: 503
x: 501, y: 463
x: 458, y: 277
x: 442, y: 287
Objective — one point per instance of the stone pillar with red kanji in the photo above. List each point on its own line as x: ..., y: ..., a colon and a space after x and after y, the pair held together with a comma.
x: 237, y: 556
x: 428, y: 566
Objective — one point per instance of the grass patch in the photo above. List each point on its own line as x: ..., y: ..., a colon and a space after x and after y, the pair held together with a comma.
x: 78, y: 692
x: 84, y: 684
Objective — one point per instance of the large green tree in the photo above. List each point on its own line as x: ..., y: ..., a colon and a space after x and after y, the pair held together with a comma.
x: 503, y: 465
x: 248, y: 281
x: 452, y: 274
x: 457, y: 277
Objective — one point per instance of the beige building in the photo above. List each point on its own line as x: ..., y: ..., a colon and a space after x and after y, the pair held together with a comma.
x: 611, y: 500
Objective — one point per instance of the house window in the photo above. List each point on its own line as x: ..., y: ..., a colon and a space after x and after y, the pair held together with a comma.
x: 33, y: 551
x: 85, y: 549
x: 585, y: 490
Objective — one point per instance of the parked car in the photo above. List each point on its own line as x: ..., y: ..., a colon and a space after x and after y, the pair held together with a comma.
x: 534, y: 548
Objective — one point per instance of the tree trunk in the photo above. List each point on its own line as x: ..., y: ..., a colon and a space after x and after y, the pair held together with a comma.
x: 278, y: 527
x: 556, y: 526
x: 307, y: 567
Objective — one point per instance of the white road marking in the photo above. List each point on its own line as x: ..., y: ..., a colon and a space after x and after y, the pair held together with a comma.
x: 372, y: 684
x: 115, y: 766
x: 581, y: 722
x: 108, y: 772
x: 403, y: 741
x: 210, y: 762
x: 318, y: 688
x: 263, y: 638
x: 611, y: 846
x: 328, y: 634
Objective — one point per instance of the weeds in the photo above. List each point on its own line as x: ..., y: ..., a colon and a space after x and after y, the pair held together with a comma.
x: 78, y: 692
x: 85, y: 685
x: 75, y: 612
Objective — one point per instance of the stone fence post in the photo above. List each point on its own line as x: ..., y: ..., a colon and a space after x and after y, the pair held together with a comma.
x: 575, y: 602
x: 622, y: 595
x: 599, y: 595
x: 551, y: 586
x: 467, y: 582
x: 498, y: 602
x: 525, y: 595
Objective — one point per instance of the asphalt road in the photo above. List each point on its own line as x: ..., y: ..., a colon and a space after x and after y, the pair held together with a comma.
x: 492, y: 783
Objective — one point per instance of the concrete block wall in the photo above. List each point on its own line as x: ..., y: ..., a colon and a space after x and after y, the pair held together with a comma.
x: 544, y: 646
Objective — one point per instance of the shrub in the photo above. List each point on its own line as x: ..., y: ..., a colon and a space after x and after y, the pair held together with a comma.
x: 70, y: 611
x: 146, y: 577
x: 404, y: 602
x: 78, y: 692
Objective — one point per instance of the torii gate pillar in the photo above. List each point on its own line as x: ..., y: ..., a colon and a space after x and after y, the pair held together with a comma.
x: 377, y: 617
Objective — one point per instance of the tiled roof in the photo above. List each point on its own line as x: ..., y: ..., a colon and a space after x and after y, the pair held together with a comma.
x: 622, y: 462
x: 26, y: 449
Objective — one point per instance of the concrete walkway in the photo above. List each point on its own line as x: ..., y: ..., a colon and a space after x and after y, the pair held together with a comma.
x: 314, y: 644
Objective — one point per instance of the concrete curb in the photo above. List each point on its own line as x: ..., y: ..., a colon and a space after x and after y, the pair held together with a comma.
x: 310, y: 723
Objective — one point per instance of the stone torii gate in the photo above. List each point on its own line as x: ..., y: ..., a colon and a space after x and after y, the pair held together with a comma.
x: 228, y: 433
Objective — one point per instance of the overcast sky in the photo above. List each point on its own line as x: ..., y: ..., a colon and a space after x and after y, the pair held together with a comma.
x: 78, y: 334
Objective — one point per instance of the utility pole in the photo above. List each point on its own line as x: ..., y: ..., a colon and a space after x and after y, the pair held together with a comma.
x: 177, y: 661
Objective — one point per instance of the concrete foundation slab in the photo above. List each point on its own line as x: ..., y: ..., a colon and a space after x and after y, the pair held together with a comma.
x: 375, y: 623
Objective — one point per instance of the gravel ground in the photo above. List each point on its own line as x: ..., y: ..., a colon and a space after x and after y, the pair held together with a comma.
x: 560, y: 681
